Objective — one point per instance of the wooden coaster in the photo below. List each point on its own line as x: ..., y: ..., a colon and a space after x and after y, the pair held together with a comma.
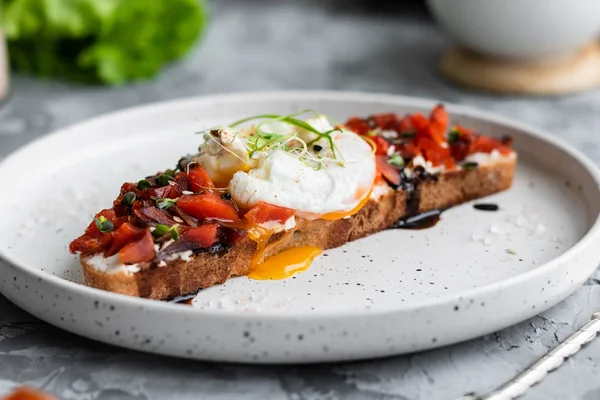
x: 549, y: 77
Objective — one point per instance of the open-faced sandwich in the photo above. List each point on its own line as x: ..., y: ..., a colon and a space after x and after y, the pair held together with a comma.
x: 265, y: 195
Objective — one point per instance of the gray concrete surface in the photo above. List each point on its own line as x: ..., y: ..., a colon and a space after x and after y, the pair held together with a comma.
x: 262, y: 45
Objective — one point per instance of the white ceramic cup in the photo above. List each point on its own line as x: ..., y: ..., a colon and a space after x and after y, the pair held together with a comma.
x: 520, y: 29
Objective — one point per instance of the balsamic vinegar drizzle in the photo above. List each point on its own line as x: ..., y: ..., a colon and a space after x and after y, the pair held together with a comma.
x: 423, y: 220
x: 486, y: 207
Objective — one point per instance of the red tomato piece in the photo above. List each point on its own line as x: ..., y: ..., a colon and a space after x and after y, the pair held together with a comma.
x: 420, y: 123
x: 406, y: 125
x: 142, y: 250
x: 385, y: 121
x: 387, y: 170
x: 208, y: 205
x: 460, y: 149
x: 126, y: 188
x: 264, y: 212
x: 381, y: 145
x: 408, y: 150
x: 28, y: 393
x: 440, y: 116
x: 434, y: 152
x: 357, y: 125
x: 438, y: 124
x: 126, y: 233
x: 464, y: 132
x: 484, y: 144
x: 199, y: 179
x: 88, y: 244
x: 92, y: 230
x: 202, y: 236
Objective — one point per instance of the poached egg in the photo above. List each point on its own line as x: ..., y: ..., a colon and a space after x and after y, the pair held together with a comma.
x: 308, y: 173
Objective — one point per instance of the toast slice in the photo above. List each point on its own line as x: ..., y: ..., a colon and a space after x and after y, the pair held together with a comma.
x: 404, y: 191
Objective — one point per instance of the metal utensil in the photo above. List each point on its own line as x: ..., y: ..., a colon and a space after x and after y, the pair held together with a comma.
x: 540, y: 369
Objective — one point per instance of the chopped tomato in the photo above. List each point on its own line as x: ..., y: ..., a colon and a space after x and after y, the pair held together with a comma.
x: 408, y: 150
x: 464, y: 145
x: 199, y: 179
x: 125, y: 234
x: 385, y: 121
x: 88, y: 244
x: 460, y: 149
x: 434, y: 152
x: 264, y: 212
x: 110, y: 215
x: 208, y: 205
x: 357, y: 125
x: 202, y: 236
x: 126, y: 188
x: 438, y: 124
x: 484, y: 144
x: 387, y: 170
x: 465, y: 131
x: 28, y: 393
x: 420, y: 123
x: 406, y: 125
x: 92, y: 230
x: 381, y: 145
x: 142, y: 250
x: 440, y: 116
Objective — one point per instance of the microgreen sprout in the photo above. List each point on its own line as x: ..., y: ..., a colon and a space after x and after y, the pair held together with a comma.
x: 397, y: 160
x: 103, y: 224
x: 163, y: 179
x: 128, y: 199
x: 453, y: 135
x: 263, y: 141
x: 160, y: 230
x: 144, y: 184
x: 469, y: 166
x: 164, y: 204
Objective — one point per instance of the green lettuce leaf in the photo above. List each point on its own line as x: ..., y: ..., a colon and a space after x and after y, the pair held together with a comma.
x: 105, y: 41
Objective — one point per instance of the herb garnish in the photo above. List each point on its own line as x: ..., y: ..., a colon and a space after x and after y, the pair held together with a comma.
x: 453, y: 135
x: 128, y: 198
x: 163, y: 179
x: 397, y: 160
x: 144, y: 184
x: 469, y: 166
x: 263, y: 141
x: 103, y: 224
x: 164, y: 204
x: 160, y: 230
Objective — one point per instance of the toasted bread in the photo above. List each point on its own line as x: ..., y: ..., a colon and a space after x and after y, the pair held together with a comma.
x: 179, y: 277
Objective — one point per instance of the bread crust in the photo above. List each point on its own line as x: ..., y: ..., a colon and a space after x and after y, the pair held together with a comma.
x: 181, y: 277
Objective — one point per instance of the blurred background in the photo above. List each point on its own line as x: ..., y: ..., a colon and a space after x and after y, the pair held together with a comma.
x: 73, y: 59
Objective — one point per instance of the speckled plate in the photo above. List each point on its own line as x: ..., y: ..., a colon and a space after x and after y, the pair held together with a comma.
x: 394, y: 292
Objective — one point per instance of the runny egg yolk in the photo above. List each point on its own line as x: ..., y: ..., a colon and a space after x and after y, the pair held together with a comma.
x: 285, y: 264
x: 335, y: 215
x: 282, y: 265
x: 292, y: 261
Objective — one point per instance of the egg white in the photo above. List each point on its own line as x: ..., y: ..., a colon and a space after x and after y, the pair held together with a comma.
x: 286, y: 180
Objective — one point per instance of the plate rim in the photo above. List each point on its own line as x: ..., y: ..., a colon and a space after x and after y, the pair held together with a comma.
x: 593, y: 233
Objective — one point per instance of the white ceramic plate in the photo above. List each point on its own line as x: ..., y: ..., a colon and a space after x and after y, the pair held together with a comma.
x: 394, y: 292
